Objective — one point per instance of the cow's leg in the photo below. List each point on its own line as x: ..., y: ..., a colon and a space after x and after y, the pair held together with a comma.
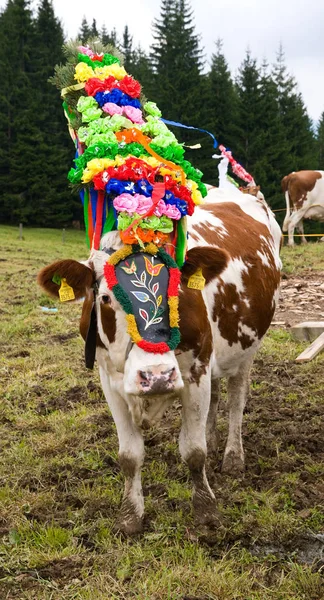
x: 211, y: 428
x: 131, y: 456
x: 237, y: 389
x: 291, y: 229
x: 300, y: 227
x: 193, y: 447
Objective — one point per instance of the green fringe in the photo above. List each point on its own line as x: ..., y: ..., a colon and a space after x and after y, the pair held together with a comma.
x: 123, y: 299
x: 167, y: 259
x: 175, y: 338
x: 181, y: 245
x: 110, y: 222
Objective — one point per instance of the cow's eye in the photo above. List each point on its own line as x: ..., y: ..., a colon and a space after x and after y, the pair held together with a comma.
x: 105, y: 300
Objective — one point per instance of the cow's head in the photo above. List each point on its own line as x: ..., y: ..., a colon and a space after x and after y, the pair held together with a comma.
x: 104, y: 320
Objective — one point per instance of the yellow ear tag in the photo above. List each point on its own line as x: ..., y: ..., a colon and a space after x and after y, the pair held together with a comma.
x: 196, y: 281
x: 66, y: 293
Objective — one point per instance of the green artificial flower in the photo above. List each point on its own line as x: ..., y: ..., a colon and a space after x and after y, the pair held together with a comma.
x: 164, y: 139
x: 165, y: 225
x: 104, y: 138
x: 152, y: 222
x: 91, y: 114
x: 124, y: 220
x: 119, y: 122
x: 75, y: 175
x: 86, y: 102
x: 109, y: 59
x: 152, y: 109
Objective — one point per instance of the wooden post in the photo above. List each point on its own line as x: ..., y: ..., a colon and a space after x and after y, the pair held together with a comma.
x: 21, y: 231
x: 63, y: 235
x: 312, y: 350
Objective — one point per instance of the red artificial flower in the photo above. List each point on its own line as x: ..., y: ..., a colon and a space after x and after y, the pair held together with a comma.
x: 110, y: 83
x: 94, y: 85
x: 100, y: 180
x: 97, y: 57
x: 130, y: 86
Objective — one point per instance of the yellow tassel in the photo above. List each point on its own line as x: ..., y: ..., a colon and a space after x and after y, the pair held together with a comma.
x: 132, y: 329
x: 151, y: 249
x: 120, y: 255
x: 173, y: 303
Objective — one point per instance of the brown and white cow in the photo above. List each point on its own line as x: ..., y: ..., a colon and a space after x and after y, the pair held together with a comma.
x: 304, y: 194
x: 235, y: 241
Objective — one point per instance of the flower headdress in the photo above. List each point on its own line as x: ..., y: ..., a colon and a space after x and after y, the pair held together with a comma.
x: 129, y: 167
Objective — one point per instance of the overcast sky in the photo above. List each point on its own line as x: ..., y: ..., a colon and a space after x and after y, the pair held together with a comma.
x: 258, y: 24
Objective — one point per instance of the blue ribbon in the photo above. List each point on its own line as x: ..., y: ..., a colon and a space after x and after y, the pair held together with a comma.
x: 190, y: 127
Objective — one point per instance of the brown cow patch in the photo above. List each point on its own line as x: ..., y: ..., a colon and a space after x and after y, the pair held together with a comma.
x: 236, y: 310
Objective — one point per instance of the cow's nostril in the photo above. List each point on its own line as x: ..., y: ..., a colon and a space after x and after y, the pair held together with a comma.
x: 143, y: 375
x: 169, y: 374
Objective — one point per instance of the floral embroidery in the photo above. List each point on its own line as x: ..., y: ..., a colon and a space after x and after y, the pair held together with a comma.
x: 153, y: 314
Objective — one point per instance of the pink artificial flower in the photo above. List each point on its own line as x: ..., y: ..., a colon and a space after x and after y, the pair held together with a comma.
x: 160, y: 208
x: 144, y: 204
x: 172, y: 212
x: 112, y: 108
x: 134, y: 114
x: 126, y: 203
x: 86, y: 50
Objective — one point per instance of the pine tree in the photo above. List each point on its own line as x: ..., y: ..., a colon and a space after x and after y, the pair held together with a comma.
x: 52, y: 201
x: 141, y: 69
x: 222, y: 102
x: 85, y: 31
x: 177, y: 60
x: 249, y: 143
x: 127, y: 49
x: 93, y: 30
x: 109, y: 38
x: 294, y: 117
x: 320, y: 142
x: 19, y: 129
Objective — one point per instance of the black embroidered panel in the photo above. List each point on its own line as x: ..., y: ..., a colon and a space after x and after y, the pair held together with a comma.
x: 145, y: 280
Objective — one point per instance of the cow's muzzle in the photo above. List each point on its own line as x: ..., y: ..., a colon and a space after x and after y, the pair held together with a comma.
x: 157, y: 380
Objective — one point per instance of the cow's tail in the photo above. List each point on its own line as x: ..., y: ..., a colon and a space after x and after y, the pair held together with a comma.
x: 285, y: 223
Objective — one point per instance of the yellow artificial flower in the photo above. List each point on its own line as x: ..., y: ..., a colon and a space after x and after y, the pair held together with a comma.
x: 95, y: 166
x: 83, y: 72
x: 151, y: 160
x: 174, y: 174
x: 119, y: 160
x: 195, y: 193
x: 115, y: 70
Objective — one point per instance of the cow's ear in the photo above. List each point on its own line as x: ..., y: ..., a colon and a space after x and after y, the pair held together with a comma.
x: 211, y: 260
x: 77, y: 275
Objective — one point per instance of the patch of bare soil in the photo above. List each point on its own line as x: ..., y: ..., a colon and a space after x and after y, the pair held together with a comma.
x: 301, y: 299
x: 59, y: 572
x: 90, y: 394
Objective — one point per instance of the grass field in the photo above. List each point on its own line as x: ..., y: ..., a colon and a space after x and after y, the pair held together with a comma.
x: 60, y: 485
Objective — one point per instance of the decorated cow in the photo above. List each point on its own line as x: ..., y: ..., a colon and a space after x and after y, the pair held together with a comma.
x: 169, y: 308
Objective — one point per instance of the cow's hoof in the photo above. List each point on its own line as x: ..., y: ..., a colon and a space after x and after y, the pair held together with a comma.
x: 205, y: 510
x: 131, y: 526
x: 233, y: 464
x: 129, y: 522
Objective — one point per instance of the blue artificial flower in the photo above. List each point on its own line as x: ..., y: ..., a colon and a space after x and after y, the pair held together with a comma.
x: 116, y: 186
x: 142, y: 186
x: 117, y: 97
x: 170, y: 198
x: 127, y: 100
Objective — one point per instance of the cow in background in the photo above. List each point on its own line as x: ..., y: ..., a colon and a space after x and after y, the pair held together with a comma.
x: 304, y: 194
x: 234, y: 240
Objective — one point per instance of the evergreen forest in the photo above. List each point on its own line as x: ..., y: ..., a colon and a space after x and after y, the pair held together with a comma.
x: 260, y: 114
